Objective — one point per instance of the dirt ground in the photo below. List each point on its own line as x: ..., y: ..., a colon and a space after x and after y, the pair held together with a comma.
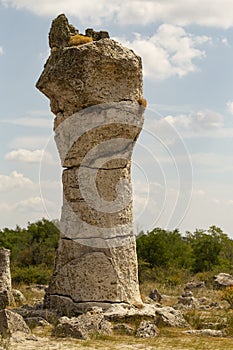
x: 126, y: 343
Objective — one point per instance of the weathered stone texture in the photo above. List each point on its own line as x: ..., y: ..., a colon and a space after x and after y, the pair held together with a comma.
x: 94, y: 89
x: 84, y: 326
x: 147, y: 329
x: 12, y: 323
x: 93, y: 275
x: 6, y: 297
x: 81, y: 76
x: 223, y: 280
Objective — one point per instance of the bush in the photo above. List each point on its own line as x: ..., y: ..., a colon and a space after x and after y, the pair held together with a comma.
x: 32, y: 251
x: 227, y: 295
x: 40, y: 274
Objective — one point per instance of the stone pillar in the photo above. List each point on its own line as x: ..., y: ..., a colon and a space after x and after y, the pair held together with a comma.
x: 95, y: 91
x: 6, y: 297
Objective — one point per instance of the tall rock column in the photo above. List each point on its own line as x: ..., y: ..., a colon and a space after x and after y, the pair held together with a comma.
x: 6, y: 297
x: 95, y: 89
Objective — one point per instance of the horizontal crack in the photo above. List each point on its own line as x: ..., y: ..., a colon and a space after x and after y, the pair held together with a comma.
x: 86, y: 301
x: 99, y: 237
x: 93, y: 168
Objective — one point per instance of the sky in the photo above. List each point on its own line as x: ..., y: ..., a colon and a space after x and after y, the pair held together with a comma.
x: 182, y: 168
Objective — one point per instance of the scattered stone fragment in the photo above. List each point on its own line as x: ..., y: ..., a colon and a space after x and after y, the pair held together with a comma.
x: 223, y: 280
x: 167, y: 316
x: 155, y: 295
x: 187, y: 294
x: 118, y: 312
x: 84, y: 326
x: 186, y: 300
x: 208, y: 332
x: 12, y: 324
x: 147, y: 329
x: 194, y: 285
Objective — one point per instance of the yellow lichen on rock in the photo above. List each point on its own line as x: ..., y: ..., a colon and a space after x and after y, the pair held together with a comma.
x: 142, y: 101
x: 79, y: 39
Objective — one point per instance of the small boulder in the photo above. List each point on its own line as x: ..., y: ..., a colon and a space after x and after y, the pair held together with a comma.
x: 223, y: 280
x: 186, y: 301
x: 118, y: 312
x: 194, y: 285
x: 11, y: 323
x: 187, y: 294
x: 167, y: 316
x: 208, y: 332
x: 83, y: 326
x: 155, y: 295
x: 147, y: 329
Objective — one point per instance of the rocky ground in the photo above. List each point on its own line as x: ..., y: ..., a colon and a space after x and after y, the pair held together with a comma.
x: 194, y: 319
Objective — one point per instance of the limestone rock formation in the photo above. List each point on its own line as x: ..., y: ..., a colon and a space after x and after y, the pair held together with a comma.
x: 12, y: 324
x: 84, y: 326
x: 6, y: 297
x: 95, y: 91
x: 168, y: 316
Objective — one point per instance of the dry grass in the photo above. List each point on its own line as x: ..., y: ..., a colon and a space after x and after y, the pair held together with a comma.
x: 31, y: 294
x: 168, y: 340
x: 79, y: 39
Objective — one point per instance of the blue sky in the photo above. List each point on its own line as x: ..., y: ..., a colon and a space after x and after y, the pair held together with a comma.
x: 183, y: 162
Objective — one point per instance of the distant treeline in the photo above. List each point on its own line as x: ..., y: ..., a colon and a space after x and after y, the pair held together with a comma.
x: 163, y: 256
x: 32, y: 251
x: 169, y: 256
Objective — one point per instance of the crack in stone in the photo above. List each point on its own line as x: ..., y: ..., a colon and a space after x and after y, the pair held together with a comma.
x: 93, y: 168
x: 87, y: 301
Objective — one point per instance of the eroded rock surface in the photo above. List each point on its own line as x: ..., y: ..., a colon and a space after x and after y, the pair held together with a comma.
x: 223, y: 280
x: 84, y: 326
x: 12, y: 324
x: 147, y: 329
x: 95, y: 89
x: 6, y: 297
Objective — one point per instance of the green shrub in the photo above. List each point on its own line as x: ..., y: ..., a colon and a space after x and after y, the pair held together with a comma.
x: 40, y: 274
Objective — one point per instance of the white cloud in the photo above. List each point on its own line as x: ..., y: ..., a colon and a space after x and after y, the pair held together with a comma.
x: 213, y: 162
x: 216, y: 13
x: 1, y: 50
x: 29, y: 122
x: 35, y: 204
x: 26, y: 156
x: 14, y: 180
x: 34, y: 207
x: 197, y: 121
x: 30, y: 142
x: 170, y: 51
x: 230, y: 107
